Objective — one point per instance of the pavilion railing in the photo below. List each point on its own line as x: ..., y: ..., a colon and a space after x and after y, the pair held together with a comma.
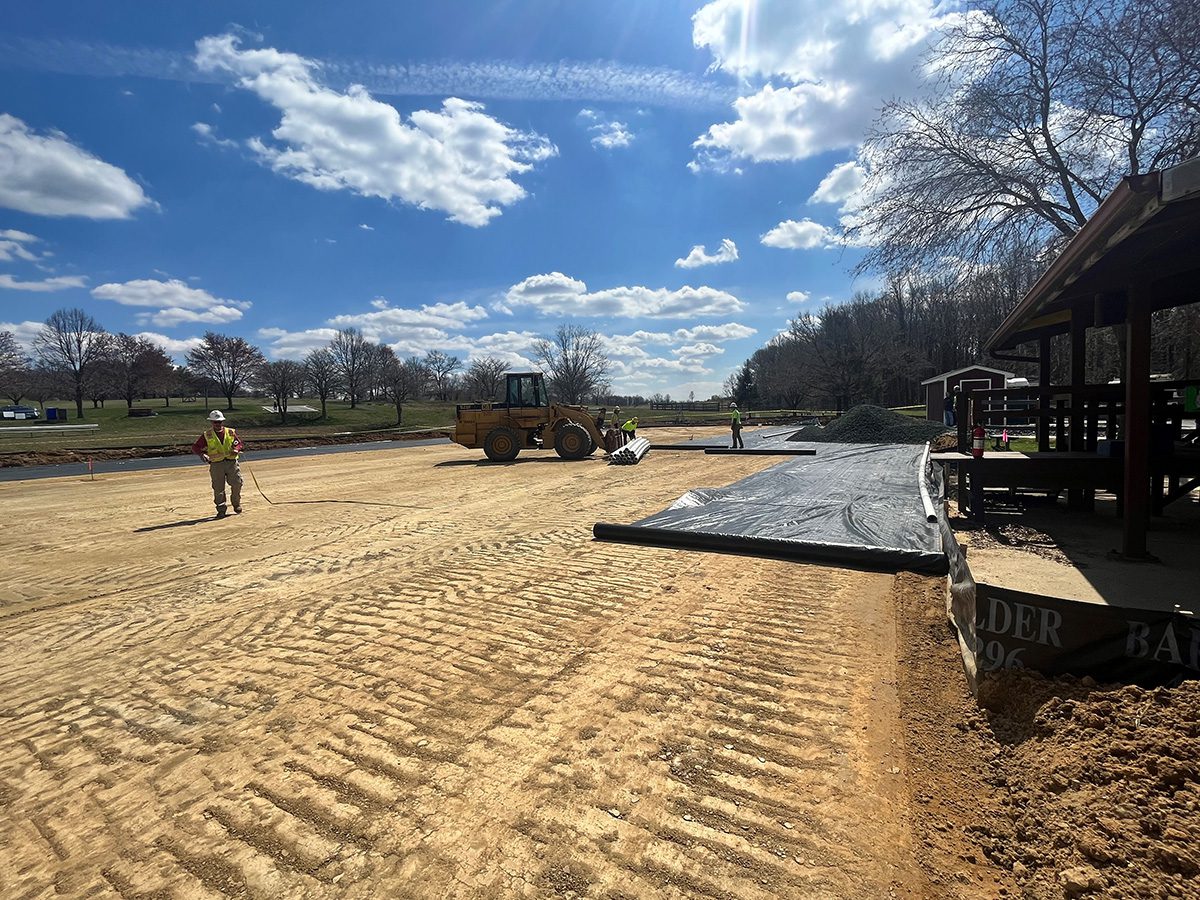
x: 1076, y: 417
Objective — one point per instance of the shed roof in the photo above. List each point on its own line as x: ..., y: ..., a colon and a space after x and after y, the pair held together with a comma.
x: 1146, y: 231
x: 946, y: 375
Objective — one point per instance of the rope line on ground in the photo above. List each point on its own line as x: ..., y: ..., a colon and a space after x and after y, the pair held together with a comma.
x: 357, y: 502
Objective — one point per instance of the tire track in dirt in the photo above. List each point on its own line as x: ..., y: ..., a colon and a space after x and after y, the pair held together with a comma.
x: 471, y: 702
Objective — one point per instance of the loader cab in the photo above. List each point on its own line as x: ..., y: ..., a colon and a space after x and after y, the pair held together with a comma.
x: 526, y: 389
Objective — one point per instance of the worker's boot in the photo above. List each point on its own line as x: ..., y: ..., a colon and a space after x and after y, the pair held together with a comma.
x: 221, y: 512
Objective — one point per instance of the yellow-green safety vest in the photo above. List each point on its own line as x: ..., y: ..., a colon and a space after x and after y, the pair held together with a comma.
x: 629, y: 426
x: 218, y: 449
x: 737, y: 418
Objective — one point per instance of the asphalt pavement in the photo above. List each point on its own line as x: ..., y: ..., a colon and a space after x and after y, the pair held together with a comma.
x: 111, y: 466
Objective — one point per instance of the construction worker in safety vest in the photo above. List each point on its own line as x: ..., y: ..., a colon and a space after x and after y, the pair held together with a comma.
x: 220, y: 447
x: 735, y: 423
x: 630, y: 429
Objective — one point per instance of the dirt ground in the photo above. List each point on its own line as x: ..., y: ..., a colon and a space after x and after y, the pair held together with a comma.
x: 442, y: 688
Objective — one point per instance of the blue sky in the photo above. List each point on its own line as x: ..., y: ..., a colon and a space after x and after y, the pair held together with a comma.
x: 461, y: 176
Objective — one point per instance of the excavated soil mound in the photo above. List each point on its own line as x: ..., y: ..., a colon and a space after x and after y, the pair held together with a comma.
x: 872, y: 425
x: 1105, y: 786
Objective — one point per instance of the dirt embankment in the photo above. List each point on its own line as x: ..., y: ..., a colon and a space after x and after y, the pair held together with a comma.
x: 1105, y: 782
x: 1054, y: 787
x: 83, y: 454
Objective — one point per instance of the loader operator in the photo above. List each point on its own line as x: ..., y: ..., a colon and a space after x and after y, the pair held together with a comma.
x: 735, y: 423
x: 220, y: 448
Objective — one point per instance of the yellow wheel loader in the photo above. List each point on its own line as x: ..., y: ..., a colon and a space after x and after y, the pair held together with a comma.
x: 526, y: 420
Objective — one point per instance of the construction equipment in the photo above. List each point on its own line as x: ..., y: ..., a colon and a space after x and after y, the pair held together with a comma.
x: 527, y: 420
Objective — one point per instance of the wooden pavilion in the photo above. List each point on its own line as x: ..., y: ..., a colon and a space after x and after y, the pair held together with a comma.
x: 1138, y: 253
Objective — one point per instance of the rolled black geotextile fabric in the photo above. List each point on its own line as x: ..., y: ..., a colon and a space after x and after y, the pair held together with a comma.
x: 685, y: 446
x: 882, y: 558
x: 854, y: 503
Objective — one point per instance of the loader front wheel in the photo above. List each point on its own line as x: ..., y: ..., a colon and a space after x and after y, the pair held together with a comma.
x: 501, y: 445
x: 571, y: 441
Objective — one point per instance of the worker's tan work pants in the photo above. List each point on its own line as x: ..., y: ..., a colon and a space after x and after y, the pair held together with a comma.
x: 224, y: 472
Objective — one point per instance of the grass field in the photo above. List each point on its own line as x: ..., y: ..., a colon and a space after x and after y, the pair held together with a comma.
x: 181, y: 422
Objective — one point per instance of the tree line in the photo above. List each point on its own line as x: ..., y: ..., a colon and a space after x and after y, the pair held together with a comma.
x: 74, y: 356
x: 1032, y: 112
x: 878, y: 348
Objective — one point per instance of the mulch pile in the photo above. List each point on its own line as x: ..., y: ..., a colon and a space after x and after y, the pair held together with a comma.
x: 872, y: 425
x: 1104, y: 785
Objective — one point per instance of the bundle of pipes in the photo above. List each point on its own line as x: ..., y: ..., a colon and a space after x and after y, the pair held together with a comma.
x: 631, y: 454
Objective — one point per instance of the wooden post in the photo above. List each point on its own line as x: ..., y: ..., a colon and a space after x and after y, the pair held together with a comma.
x: 962, y: 412
x: 1136, y: 435
x: 1043, y: 422
x: 1078, y: 376
x: 976, y: 490
x: 1077, y: 498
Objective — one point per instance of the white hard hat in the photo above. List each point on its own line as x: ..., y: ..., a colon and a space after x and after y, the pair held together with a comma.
x: 216, y: 416
x: 733, y: 406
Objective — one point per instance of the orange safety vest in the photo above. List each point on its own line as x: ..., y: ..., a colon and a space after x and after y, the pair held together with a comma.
x: 219, y: 449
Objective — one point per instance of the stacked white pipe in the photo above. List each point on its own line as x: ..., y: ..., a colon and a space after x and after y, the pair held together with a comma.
x: 631, y: 454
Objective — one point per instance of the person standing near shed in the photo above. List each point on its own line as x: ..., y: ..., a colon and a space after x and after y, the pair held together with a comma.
x: 735, y: 424
x: 220, y: 447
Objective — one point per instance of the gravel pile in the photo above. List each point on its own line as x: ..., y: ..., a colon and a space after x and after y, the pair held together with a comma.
x: 872, y: 425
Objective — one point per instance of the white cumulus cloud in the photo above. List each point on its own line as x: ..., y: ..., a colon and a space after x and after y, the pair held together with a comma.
x: 208, y: 135
x: 730, y: 331
x: 841, y: 184
x: 24, y: 332
x: 47, y: 175
x: 825, y: 68
x: 558, y: 294
x: 284, y: 344
x: 176, y: 347
x: 457, y: 159
x: 803, y: 235
x: 387, y: 320
x: 46, y: 285
x: 15, y: 245
x: 699, y: 256
x: 173, y: 301
x: 798, y: 296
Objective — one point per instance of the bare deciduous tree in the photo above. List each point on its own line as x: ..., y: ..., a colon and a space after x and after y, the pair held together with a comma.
x: 351, y: 356
x: 485, y: 377
x: 136, y: 365
x: 282, y: 378
x: 227, y: 361
x: 1036, y: 110
x: 15, y: 365
x: 441, y: 368
x: 321, y: 374
x: 403, y: 380
x: 73, y: 344
x: 575, y: 362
